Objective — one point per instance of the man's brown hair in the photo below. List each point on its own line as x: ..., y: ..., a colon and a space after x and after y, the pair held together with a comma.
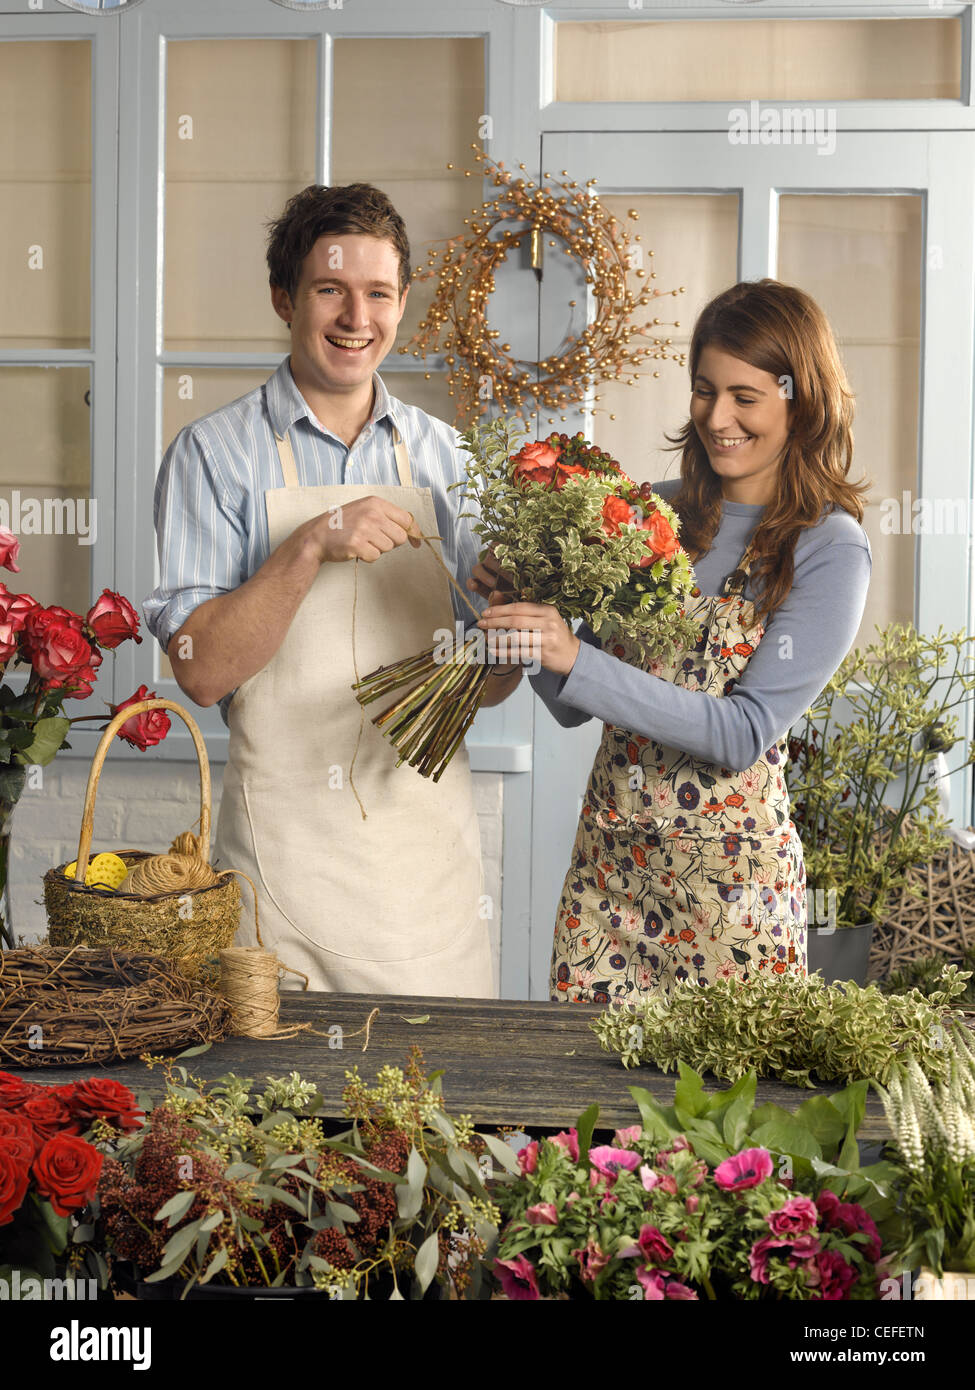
x: 320, y: 210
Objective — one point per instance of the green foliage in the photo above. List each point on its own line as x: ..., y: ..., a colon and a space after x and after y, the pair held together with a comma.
x: 785, y: 1026
x: 924, y: 974
x: 898, y: 693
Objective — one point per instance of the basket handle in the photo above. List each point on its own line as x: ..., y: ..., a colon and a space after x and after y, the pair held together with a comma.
x: 88, y: 815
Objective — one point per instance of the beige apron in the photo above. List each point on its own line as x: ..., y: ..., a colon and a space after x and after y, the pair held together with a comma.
x: 391, y: 904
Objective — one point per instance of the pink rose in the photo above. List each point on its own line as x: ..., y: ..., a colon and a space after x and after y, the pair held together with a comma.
x: 542, y: 1214
x: 517, y: 1278
x: 528, y: 1157
x: 9, y: 548
x: 623, y: 1138
x: 798, y: 1214
x: 568, y: 1140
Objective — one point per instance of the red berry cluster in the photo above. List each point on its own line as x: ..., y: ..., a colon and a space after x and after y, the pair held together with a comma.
x: 576, y: 449
x: 375, y: 1204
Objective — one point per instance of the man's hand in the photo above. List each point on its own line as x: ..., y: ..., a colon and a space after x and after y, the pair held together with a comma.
x: 490, y: 581
x: 361, y: 530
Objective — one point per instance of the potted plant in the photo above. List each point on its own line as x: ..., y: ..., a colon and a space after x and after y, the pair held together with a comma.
x: 899, y: 692
x: 49, y: 1170
x: 708, y: 1199
x: 222, y: 1194
x: 934, y: 1165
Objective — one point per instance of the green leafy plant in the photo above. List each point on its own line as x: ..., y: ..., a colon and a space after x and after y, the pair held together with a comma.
x: 711, y: 1197
x: 924, y: 974
x: 785, y: 1026
x: 934, y: 1165
x: 222, y: 1187
x: 899, y: 692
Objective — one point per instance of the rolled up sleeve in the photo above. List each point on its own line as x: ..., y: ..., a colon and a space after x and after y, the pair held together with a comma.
x: 200, y: 536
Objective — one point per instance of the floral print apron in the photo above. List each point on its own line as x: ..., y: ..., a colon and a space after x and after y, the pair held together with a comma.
x: 682, y: 870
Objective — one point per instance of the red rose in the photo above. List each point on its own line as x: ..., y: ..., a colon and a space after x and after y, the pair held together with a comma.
x: 49, y: 1115
x: 9, y: 547
x: 113, y: 619
x: 62, y: 651
x: 14, y: 1091
x: 39, y: 619
x: 79, y: 683
x: 616, y: 513
x: 103, y: 1098
x: 18, y: 1135
x: 535, y: 463
x: 8, y: 641
x: 14, y: 1181
x: 660, y: 539
x: 14, y: 608
x: 142, y: 730
x: 66, y: 1170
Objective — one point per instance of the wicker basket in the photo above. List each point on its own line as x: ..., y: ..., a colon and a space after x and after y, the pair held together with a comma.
x: 187, y: 926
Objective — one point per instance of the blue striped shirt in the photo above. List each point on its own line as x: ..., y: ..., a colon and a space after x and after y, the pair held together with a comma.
x: 208, y: 505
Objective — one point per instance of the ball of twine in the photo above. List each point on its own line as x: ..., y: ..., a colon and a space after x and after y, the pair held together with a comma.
x: 183, y: 869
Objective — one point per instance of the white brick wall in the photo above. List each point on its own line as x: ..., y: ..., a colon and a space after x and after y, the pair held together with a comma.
x: 145, y: 808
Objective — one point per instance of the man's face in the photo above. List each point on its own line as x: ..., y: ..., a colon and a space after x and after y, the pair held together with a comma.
x: 345, y: 313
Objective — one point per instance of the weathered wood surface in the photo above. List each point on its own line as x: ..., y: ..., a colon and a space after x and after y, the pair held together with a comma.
x: 534, y: 1065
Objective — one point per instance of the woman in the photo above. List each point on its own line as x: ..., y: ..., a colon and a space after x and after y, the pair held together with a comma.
x: 686, y: 863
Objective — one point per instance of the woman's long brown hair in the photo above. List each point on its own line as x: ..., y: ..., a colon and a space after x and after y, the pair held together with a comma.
x: 775, y: 328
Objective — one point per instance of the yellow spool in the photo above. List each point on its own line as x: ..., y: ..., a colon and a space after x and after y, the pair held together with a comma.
x: 104, y: 871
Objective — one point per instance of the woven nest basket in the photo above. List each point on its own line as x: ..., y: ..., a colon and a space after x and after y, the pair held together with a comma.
x: 188, y: 926
x: 939, y: 922
x: 79, y: 1006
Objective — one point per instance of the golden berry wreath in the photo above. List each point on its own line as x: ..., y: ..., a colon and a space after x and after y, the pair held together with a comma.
x: 480, y: 369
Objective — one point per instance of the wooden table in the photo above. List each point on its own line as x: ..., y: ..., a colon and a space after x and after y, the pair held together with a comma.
x: 532, y: 1065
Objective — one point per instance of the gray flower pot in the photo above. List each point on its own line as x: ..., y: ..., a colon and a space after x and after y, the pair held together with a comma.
x: 841, y: 954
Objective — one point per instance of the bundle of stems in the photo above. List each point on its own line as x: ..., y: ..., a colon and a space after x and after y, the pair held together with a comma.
x: 442, y: 697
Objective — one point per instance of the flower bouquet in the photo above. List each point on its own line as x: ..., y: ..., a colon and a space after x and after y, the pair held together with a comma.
x: 572, y: 530
x: 704, y: 1200
x: 49, y: 1173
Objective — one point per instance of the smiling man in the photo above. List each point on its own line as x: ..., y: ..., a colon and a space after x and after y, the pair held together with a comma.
x: 368, y: 877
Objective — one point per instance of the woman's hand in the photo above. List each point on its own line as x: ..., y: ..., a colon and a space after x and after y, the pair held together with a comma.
x: 533, y: 632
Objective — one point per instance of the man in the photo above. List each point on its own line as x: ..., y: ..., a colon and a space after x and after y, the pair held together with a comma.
x: 368, y: 877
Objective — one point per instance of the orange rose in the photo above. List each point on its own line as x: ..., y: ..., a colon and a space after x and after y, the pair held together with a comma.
x: 661, y: 540
x: 616, y: 513
x: 535, y: 463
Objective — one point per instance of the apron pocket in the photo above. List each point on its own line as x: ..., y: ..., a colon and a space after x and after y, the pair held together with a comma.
x: 376, y: 890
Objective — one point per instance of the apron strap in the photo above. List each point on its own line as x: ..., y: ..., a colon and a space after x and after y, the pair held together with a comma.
x: 402, y: 460
x: 286, y: 455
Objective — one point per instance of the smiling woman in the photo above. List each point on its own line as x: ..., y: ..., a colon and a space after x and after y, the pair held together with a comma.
x: 686, y: 863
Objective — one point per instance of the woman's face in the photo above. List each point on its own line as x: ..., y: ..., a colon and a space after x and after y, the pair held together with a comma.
x: 742, y: 419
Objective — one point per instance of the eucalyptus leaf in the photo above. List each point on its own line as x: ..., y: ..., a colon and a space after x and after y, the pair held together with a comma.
x: 426, y: 1260
x: 409, y: 1198
x: 176, y: 1208
x: 585, y: 1125
x: 503, y: 1152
